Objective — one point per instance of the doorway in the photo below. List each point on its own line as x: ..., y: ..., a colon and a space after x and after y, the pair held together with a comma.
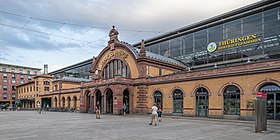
x: 201, y: 102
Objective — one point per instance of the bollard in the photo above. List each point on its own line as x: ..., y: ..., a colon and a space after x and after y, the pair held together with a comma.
x: 264, y: 112
x: 258, y: 110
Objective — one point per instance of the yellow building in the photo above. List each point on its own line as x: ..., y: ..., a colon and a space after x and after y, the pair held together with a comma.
x: 65, y: 94
x: 28, y: 93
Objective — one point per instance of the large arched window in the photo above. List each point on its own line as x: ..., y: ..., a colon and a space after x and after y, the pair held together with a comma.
x: 231, y: 100
x: 116, y: 67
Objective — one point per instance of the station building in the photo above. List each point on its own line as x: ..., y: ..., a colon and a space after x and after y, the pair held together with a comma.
x: 212, y: 68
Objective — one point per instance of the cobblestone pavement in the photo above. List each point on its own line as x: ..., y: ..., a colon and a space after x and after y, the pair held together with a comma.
x: 72, y: 126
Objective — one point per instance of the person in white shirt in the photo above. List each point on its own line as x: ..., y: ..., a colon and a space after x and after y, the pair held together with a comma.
x: 154, y: 114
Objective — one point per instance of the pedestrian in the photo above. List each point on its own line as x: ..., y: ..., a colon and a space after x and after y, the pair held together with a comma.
x: 154, y: 114
x: 44, y: 109
x: 97, y: 110
x: 39, y: 107
x: 159, y: 112
x: 124, y: 109
x: 48, y: 107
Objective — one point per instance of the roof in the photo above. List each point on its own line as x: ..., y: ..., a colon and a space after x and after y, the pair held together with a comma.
x: 136, y: 53
x: 162, y: 58
x: 231, y: 15
x: 73, y: 79
x: 88, y: 61
x: 17, y: 66
x: 30, y: 82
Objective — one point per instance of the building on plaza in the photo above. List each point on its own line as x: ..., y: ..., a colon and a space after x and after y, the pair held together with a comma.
x: 10, y: 77
x: 212, y: 68
x: 28, y: 93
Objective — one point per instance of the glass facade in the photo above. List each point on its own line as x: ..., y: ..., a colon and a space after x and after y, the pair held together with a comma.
x: 244, y: 36
x: 81, y: 70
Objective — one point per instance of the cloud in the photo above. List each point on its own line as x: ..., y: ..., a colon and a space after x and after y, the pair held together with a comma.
x: 144, y: 15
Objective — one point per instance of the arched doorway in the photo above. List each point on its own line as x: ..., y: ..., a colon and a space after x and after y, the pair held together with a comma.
x: 75, y: 102
x: 63, y: 102
x: 126, y: 99
x: 87, y: 96
x: 273, y: 100
x: 109, y: 101
x: 68, y: 102
x: 158, y: 98
x: 231, y: 100
x: 201, y: 98
x: 99, y: 99
x: 55, y: 102
x: 178, y: 101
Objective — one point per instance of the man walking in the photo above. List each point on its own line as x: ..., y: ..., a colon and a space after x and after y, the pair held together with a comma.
x: 97, y: 110
x: 154, y: 114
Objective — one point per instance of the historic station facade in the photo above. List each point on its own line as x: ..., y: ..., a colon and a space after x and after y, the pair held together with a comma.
x: 124, y: 74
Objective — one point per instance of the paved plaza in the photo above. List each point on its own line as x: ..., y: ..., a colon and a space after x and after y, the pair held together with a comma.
x: 72, y: 126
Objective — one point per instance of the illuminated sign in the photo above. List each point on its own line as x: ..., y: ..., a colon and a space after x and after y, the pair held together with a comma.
x: 230, y: 43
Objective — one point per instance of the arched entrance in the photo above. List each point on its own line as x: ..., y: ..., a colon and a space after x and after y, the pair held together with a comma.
x: 178, y: 101
x: 63, y: 102
x: 231, y: 100
x: 126, y: 99
x: 201, y: 98
x: 99, y: 100
x: 75, y: 102
x: 158, y: 98
x: 68, y: 102
x: 273, y: 100
x: 109, y: 101
x: 88, y: 108
x: 55, y: 102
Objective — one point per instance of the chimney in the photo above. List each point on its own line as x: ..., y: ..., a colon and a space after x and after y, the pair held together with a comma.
x: 45, y: 68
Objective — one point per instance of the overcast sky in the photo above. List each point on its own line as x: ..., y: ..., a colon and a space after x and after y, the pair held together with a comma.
x: 64, y: 32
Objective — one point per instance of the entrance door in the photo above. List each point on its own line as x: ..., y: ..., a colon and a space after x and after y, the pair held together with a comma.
x: 126, y: 100
x: 201, y: 105
x: 273, y: 100
x: 178, y: 101
x: 201, y: 102
x: 109, y: 102
x: 270, y: 106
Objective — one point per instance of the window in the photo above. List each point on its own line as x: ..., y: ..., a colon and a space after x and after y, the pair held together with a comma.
x: 22, y: 77
x: 13, y: 81
x: 159, y: 71
x: 46, y: 83
x: 28, y: 71
x: 47, y: 88
x: 5, y: 75
x: 158, y: 98
x: 21, y: 81
x: 5, y: 80
x: 12, y: 70
x: 30, y: 88
x: 5, y: 96
x: 29, y: 78
x: 5, y: 87
x: 4, y: 69
x: 116, y: 67
x: 35, y: 72
x: 13, y: 88
x: 13, y: 96
x: 13, y: 76
x: 231, y: 100
x: 20, y: 71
